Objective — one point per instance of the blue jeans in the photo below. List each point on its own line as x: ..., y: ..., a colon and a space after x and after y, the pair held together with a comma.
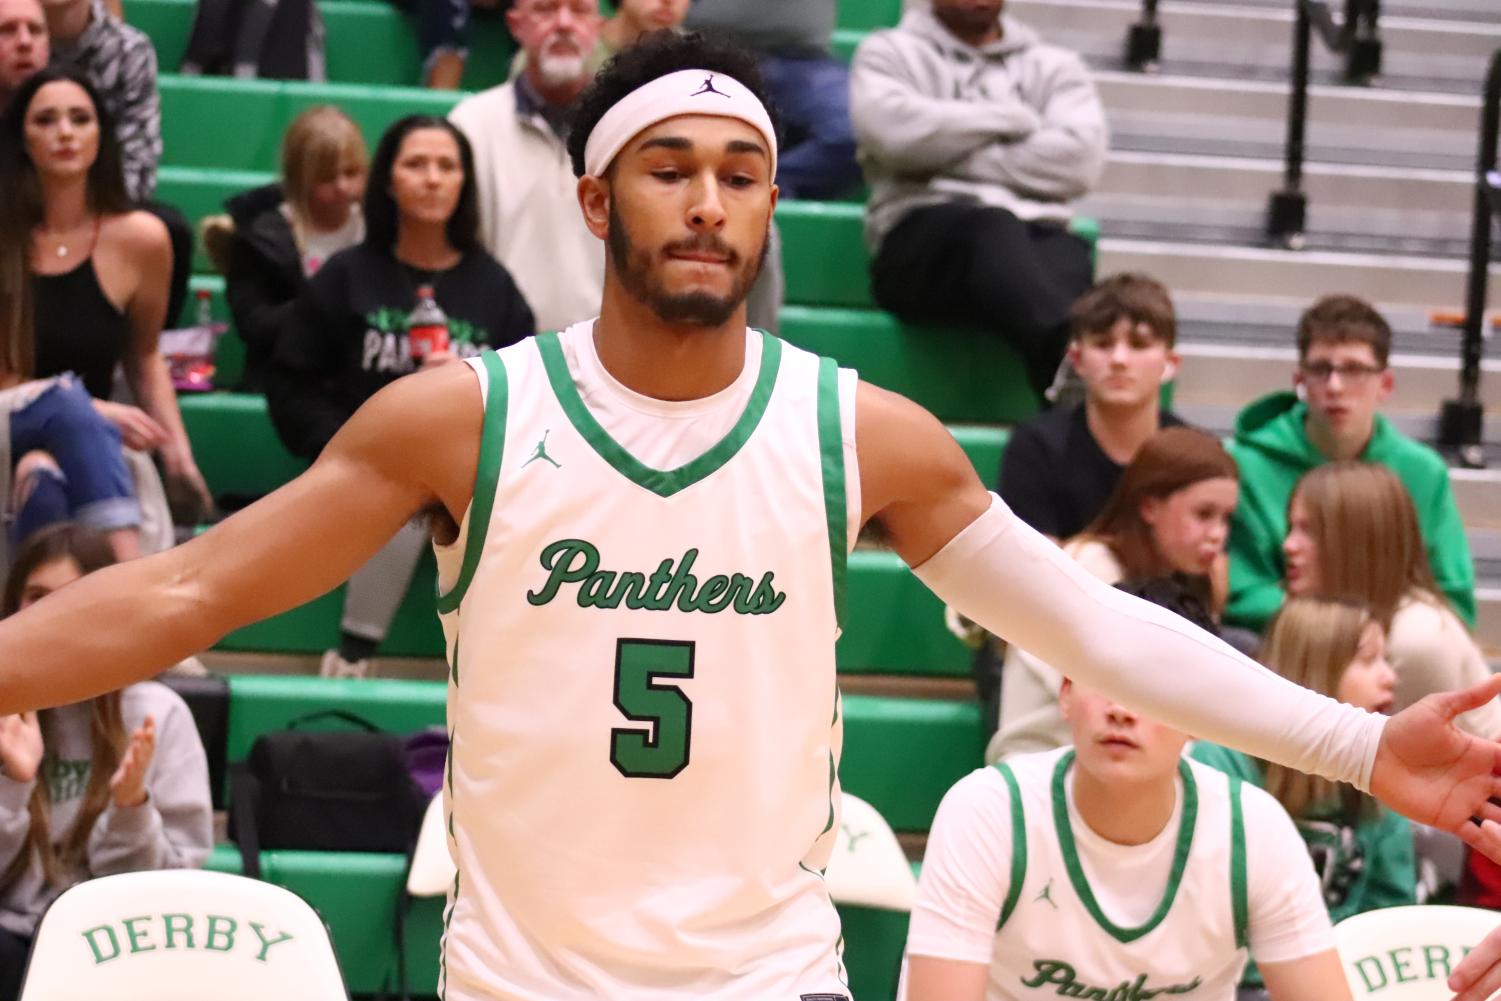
x: 813, y: 95
x: 95, y: 487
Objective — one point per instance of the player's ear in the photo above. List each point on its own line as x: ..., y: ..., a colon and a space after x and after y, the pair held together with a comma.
x: 594, y: 202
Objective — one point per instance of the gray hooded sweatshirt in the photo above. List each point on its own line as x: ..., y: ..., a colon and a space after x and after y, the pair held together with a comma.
x: 1015, y: 124
x: 173, y: 829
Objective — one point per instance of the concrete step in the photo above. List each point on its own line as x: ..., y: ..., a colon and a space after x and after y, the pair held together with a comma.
x: 1295, y: 278
x: 1214, y: 39
x: 1224, y: 200
x: 1485, y: 11
x: 1488, y: 616
x: 1478, y: 493
x: 1180, y: 114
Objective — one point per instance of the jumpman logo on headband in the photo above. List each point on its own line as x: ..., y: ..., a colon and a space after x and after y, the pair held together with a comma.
x: 709, y: 88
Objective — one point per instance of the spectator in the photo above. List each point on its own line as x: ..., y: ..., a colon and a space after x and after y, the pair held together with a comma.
x: 115, y: 784
x: 278, y: 235
x: 1116, y: 868
x: 632, y: 20
x: 1060, y: 467
x: 811, y: 88
x: 1353, y: 533
x: 975, y: 138
x: 71, y: 212
x: 528, y: 196
x: 120, y: 62
x: 100, y: 270
x: 1169, y: 514
x: 346, y: 335
x: 1363, y: 852
x: 1341, y: 381
x: 23, y: 44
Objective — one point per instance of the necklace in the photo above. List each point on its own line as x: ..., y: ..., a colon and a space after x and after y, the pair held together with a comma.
x: 62, y: 242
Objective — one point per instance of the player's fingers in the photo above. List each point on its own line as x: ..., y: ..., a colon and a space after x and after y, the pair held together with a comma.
x: 1484, y: 838
x: 1451, y: 704
x: 1479, y: 974
x: 1489, y: 810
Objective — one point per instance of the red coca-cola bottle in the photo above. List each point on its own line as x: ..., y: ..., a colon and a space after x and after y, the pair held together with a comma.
x: 427, y: 326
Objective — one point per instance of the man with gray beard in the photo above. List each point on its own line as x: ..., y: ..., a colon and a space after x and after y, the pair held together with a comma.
x: 529, y: 217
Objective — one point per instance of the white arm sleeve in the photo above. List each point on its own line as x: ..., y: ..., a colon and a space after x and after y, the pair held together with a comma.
x: 1014, y: 582
x: 1288, y: 920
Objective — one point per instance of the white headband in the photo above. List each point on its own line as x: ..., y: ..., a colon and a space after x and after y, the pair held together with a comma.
x: 686, y: 92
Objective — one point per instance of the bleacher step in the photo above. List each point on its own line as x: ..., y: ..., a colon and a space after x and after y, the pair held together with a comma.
x: 1208, y: 39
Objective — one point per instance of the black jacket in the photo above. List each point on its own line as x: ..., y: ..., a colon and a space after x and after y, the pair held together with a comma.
x: 265, y: 277
x: 345, y: 337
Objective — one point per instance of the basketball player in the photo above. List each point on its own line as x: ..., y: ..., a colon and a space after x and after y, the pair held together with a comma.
x: 643, y: 702
x: 1117, y: 869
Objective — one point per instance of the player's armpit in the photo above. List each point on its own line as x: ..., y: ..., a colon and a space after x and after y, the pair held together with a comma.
x: 414, y: 444
x: 930, y: 979
x: 915, y: 480
x: 1320, y: 977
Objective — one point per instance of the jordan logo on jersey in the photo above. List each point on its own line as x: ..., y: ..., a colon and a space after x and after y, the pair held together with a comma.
x: 1065, y: 982
x: 574, y: 561
x: 540, y: 452
x: 1047, y: 895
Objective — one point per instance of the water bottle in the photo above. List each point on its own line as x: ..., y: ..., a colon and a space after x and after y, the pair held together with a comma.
x: 427, y: 326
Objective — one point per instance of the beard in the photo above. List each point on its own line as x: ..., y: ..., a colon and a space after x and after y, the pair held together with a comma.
x: 557, y: 69
x: 633, y: 266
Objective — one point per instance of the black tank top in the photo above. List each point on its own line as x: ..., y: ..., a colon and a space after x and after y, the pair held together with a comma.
x: 78, y: 329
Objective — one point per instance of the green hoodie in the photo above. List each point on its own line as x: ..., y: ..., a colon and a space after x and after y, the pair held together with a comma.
x: 1273, y: 452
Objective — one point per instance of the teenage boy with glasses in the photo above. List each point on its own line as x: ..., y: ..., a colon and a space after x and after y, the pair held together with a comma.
x: 1340, y: 383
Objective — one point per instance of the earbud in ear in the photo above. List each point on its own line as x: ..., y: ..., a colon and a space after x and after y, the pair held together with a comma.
x: 1301, y: 391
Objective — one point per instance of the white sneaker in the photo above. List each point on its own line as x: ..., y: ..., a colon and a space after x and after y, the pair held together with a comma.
x: 335, y: 666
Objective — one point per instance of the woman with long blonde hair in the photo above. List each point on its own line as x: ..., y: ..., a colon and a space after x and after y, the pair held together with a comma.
x: 1353, y: 533
x: 1364, y: 852
x: 1169, y: 514
x: 278, y: 235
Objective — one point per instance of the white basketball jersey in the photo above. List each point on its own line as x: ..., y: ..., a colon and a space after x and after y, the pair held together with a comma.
x: 645, y: 722
x: 1053, y: 938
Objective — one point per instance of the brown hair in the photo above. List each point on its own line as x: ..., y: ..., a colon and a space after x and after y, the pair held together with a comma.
x: 90, y: 550
x: 1311, y: 642
x: 1129, y: 296
x: 1344, y: 319
x: 1169, y: 461
x: 312, y: 150
x: 1363, y: 523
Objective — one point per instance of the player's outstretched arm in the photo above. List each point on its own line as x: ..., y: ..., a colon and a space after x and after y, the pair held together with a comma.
x: 970, y: 550
x: 413, y: 446
x: 1320, y: 977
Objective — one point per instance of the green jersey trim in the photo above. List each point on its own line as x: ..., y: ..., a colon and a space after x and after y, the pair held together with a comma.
x: 1239, y: 897
x: 663, y: 483
x: 1018, y: 844
x: 1076, y: 875
x: 831, y: 445
x: 486, y: 476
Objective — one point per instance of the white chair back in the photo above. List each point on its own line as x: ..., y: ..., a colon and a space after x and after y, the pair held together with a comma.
x: 868, y: 866
x: 432, y: 869
x: 1407, y: 953
x: 181, y: 935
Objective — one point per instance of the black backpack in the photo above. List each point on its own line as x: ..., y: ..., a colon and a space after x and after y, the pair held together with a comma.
x: 340, y: 790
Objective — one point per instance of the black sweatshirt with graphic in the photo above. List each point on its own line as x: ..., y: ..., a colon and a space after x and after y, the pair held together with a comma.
x: 346, y: 337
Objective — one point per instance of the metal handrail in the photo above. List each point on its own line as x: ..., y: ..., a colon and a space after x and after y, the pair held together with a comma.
x: 1144, y: 40
x: 1358, y: 39
x: 1462, y: 420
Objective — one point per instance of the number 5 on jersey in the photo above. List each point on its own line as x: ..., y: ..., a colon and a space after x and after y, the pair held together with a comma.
x: 659, y: 751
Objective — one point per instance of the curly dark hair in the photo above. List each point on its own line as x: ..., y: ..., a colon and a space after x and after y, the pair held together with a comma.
x: 657, y: 55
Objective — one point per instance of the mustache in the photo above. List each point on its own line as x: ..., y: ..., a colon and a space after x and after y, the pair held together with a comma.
x: 706, y: 243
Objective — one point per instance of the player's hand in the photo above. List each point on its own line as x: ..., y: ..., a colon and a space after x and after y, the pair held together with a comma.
x: 1479, y: 975
x: 1436, y: 774
x: 127, y: 786
x: 20, y: 746
x: 138, y: 429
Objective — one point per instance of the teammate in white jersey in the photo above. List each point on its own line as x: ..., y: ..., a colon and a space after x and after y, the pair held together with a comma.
x: 1116, y: 869
x: 647, y: 749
